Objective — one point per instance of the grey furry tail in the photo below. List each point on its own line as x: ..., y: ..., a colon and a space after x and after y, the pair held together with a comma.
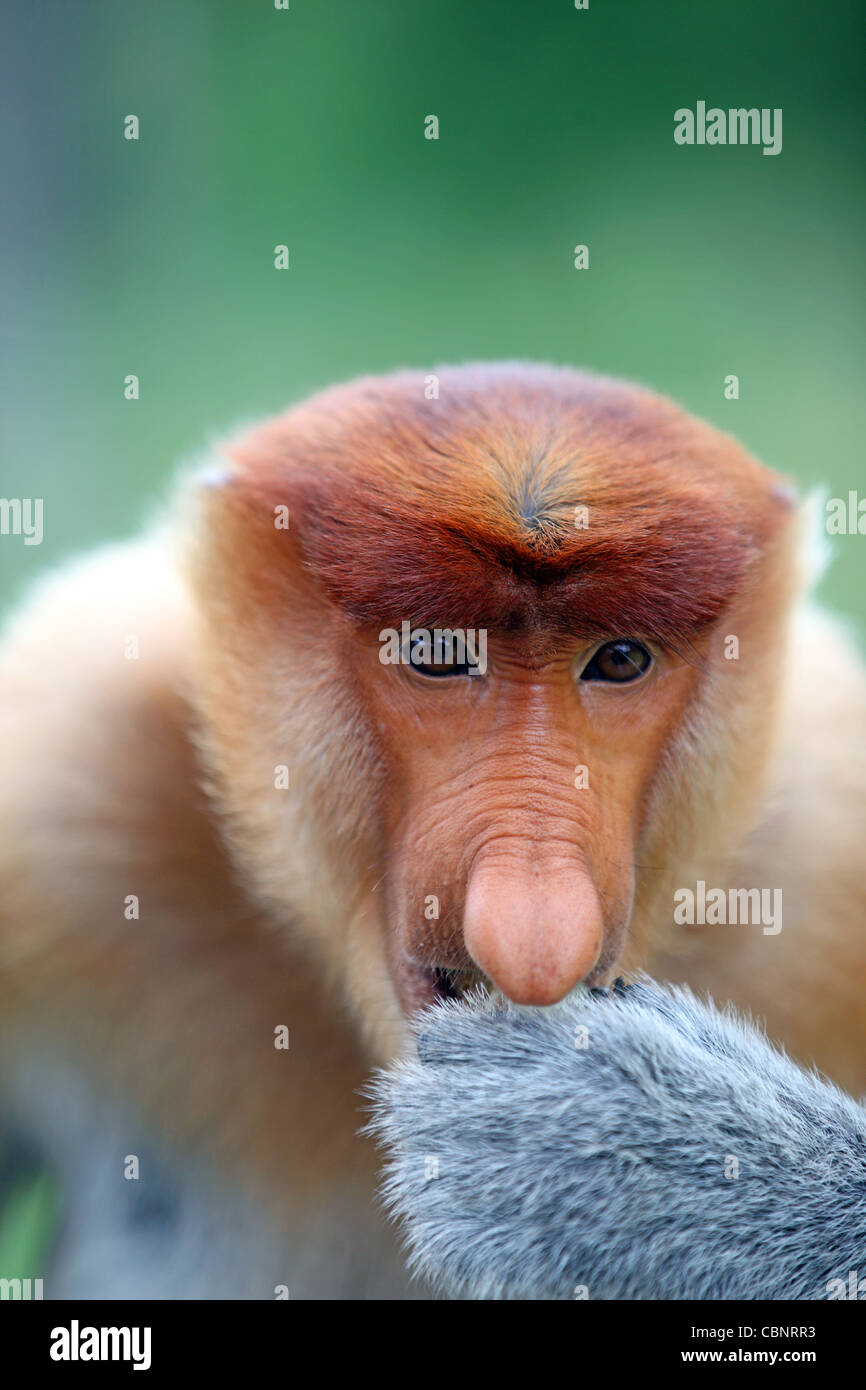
x: 639, y: 1145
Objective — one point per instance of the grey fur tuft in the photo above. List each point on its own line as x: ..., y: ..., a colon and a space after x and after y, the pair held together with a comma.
x: 606, y: 1167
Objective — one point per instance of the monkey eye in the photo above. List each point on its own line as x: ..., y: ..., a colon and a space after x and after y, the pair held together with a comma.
x: 618, y: 662
x: 435, y: 655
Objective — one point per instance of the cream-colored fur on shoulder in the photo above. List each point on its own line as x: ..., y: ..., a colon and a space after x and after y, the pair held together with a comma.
x: 174, y: 1012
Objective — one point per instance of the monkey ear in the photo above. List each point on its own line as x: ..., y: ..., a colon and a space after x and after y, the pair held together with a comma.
x: 213, y: 475
x: 815, y: 553
x: 245, y: 553
x: 785, y: 493
x: 221, y: 485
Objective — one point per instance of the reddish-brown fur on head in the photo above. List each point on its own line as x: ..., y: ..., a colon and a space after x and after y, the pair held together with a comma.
x: 462, y: 510
x: 467, y: 511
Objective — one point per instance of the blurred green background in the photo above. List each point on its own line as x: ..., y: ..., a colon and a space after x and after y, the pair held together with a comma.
x: 305, y: 127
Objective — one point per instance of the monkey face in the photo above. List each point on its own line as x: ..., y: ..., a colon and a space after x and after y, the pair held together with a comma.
x: 514, y: 808
x: 517, y: 799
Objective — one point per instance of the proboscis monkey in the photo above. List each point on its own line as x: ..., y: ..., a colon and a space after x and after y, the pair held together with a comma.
x: 227, y: 808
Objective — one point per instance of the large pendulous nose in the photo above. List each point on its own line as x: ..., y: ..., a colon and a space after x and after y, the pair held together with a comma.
x: 534, y: 929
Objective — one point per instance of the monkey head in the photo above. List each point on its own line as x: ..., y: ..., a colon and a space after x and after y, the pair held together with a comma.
x: 482, y: 667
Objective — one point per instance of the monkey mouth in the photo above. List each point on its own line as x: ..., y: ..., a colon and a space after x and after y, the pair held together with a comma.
x: 426, y: 985
x: 453, y: 984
